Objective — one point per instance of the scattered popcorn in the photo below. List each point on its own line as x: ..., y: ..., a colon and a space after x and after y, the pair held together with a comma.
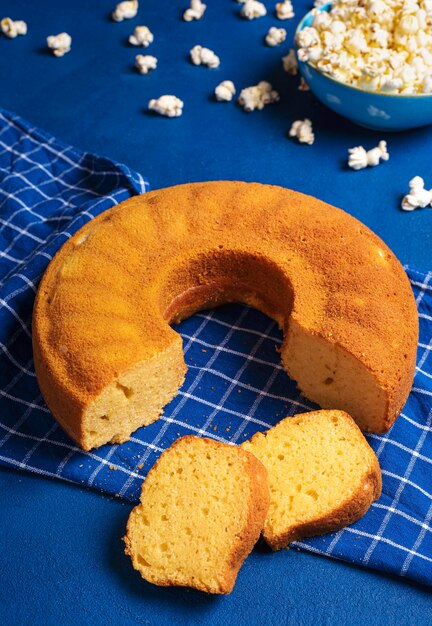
x: 145, y: 63
x: 195, y: 11
x: 359, y: 158
x: 376, y: 45
x: 275, y: 36
x: 225, y: 91
x: 170, y: 106
x: 60, y: 44
x: 320, y: 3
x: 284, y: 10
x: 12, y: 28
x: 303, y: 86
x: 204, y: 56
x: 252, y: 9
x: 125, y: 10
x: 257, y: 96
x: 290, y: 63
x: 418, y: 196
x: 302, y: 130
x: 142, y: 36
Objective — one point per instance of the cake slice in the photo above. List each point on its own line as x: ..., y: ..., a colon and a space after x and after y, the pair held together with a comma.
x: 322, y: 474
x: 203, y: 506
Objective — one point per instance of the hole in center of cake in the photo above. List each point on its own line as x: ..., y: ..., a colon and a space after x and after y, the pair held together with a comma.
x: 235, y: 384
x: 211, y: 279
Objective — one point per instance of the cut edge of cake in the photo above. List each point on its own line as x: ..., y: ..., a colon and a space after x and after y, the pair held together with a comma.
x: 352, y: 508
x: 242, y: 542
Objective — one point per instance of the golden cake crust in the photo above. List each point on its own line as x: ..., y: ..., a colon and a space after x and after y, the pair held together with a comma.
x: 105, y: 301
x: 344, y: 516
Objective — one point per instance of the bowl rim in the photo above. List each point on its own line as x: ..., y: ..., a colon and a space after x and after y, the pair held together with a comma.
x: 300, y: 26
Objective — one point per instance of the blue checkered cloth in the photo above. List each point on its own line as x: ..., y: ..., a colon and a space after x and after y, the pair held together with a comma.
x: 235, y: 384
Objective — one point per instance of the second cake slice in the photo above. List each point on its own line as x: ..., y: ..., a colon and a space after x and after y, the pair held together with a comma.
x: 322, y: 474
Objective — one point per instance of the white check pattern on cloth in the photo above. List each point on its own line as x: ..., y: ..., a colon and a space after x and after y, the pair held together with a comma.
x: 235, y: 384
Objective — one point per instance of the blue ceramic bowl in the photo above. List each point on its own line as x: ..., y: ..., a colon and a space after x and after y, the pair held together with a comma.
x: 373, y: 110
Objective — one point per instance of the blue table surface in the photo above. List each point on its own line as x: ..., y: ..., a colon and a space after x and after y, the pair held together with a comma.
x: 61, y: 558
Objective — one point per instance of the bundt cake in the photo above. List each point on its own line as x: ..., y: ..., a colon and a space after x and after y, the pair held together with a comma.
x: 107, y: 360
x: 322, y: 475
x: 203, y: 506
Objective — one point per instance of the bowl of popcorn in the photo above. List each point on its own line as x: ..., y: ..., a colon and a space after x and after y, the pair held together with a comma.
x: 370, y: 60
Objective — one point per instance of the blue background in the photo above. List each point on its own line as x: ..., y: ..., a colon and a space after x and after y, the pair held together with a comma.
x: 61, y: 559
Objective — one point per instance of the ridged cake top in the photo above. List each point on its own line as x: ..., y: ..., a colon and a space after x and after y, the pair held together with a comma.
x: 101, y: 304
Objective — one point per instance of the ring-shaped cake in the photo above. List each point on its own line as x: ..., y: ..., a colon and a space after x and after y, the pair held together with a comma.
x: 108, y: 361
